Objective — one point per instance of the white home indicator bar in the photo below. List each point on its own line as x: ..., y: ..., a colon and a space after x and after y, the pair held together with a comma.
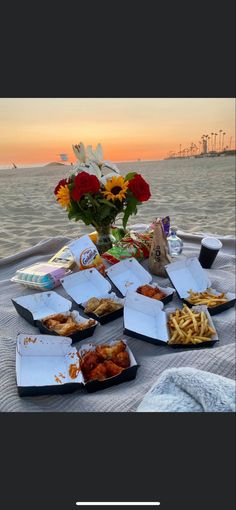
x: 119, y: 503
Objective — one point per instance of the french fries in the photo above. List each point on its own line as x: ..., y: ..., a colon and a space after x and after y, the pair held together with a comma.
x: 206, y: 298
x: 189, y: 327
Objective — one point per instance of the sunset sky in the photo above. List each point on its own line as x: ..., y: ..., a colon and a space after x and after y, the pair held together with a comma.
x: 37, y: 130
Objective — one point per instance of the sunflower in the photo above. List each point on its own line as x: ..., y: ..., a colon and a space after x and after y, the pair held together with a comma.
x: 116, y: 188
x: 63, y: 196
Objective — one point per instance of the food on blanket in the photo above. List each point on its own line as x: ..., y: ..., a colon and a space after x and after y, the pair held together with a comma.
x: 89, y: 361
x: 121, y: 359
x: 152, y: 292
x: 133, y: 244
x: 107, y: 306
x: 65, y: 324
x: 189, y: 327
x: 112, y: 368
x: 206, y: 298
x: 99, y: 373
x: 102, y: 306
x: 91, y: 305
x: 108, y: 351
x: 105, y: 361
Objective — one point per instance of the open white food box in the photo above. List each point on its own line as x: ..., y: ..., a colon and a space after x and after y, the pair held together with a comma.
x: 188, y: 274
x: 36, y: 307
x: 87, y: 284
x: 144, y: 318
x: 43, y: 366
x: 129, y: 274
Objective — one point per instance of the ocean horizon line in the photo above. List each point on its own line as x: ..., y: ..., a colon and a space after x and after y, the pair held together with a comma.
x: 45, y: 163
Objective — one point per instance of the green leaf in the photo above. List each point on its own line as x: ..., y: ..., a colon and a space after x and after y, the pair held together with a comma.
x: 130, y: 176
x: 106, y: 202
x: 130, y: 209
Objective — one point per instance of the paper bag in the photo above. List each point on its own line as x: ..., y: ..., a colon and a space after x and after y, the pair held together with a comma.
x: 159, y: 254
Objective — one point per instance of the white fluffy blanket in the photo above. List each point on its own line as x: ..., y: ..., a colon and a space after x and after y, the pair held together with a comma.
x: 190, y: 390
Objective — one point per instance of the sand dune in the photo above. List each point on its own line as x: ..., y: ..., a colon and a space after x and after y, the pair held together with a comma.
x: 199, y: 196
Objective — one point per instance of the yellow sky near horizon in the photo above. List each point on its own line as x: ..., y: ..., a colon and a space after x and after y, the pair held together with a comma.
x: 36, y: 130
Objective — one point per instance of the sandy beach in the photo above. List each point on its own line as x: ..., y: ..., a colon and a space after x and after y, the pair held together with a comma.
x: 198, y: 195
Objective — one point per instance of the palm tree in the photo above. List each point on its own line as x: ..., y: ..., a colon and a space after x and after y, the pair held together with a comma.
x: 223, y: 137
x: 203, y: 138
x: 212, y: 134
x: 208, y: 138
x: 215, y: 140
x: 220, y: 131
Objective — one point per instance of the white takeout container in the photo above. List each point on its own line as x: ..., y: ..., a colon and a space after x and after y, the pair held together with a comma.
x: 42, y: 365
x: 129, y: 274
x: 145, y: 319
x: 87, y: 284
x: 188, y: 274
x: 43, y: 362
x: 36, y: 307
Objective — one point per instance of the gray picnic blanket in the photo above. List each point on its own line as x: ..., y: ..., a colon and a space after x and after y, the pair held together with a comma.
x: 191, y: 390
x: 153, y: 360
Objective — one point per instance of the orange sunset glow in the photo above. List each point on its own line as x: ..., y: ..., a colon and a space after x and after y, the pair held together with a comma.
x: 38, y: 130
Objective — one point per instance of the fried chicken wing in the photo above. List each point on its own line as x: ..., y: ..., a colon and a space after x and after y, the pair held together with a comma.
x: 111, y: 368
x: 152, y: 292
x: 106, y: 351
x: 121, y: 359
x: 89, y: 361
x: 99, y: 373
x: 146, y: 290
x: 65, y: 324
x: 159, y: 295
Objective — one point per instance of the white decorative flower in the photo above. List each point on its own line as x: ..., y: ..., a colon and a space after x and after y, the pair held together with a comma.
x: 91, y: 161
x: 79, y: 152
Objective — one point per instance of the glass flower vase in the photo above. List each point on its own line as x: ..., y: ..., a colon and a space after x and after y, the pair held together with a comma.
x: 105, y: 238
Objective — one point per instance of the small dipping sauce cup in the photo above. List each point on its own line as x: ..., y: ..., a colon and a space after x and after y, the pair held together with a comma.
x: 209, y: 249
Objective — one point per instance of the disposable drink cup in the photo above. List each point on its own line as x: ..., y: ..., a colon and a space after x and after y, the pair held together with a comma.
x: 209, y: 249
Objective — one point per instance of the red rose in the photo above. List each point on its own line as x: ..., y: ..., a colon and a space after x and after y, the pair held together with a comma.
x: 63, y: 182
x: 140, y: 188
x: 84, y: 183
